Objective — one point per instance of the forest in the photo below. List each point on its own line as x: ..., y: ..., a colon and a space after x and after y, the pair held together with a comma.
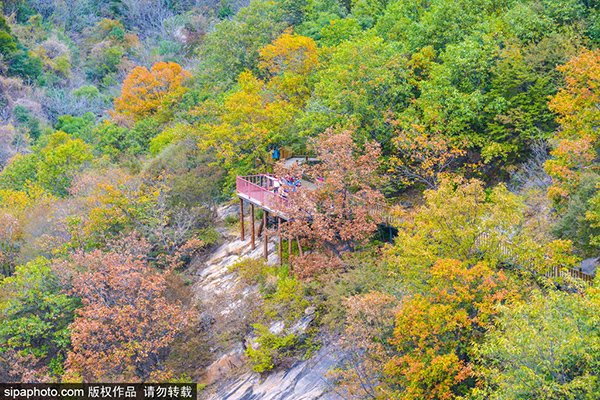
x: 473, y: 123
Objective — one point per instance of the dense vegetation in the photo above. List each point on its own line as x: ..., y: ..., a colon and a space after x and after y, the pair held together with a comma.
x: 123, y: 124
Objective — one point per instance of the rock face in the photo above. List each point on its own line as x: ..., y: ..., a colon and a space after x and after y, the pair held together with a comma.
x: 228, y: 377
x: 306, y: 380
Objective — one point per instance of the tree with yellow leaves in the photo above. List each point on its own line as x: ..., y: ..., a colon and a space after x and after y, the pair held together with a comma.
x: 290, y: 60
x: 578, y: 140
x: 246, y: 125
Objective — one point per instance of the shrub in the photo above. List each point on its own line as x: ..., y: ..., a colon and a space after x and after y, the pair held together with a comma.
x: 270, y: 350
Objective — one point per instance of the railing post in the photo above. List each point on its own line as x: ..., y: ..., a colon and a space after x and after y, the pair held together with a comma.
x: 290, y: 239
x: 280, y: 241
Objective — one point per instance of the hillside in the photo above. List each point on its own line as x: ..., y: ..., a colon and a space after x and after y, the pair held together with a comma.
x: 437, y: 239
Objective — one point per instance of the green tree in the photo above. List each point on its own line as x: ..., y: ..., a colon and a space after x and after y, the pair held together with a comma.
x: 77, y: 127
x: 53, y: 164
x: 364, y: 79
x: 545, y: 348
x: 59, y: 161
x: 34, y: 320
x: 233, y: 46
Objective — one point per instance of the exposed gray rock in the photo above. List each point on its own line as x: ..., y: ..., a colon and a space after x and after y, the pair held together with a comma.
x: 300, y: 327
x: 224, y: 295
x: 227, y: 210
x: 224, y: 365
x: 306, y: 380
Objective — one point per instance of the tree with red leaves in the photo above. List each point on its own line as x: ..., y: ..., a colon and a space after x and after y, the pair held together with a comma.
x: 126, y: 325
x: 343, y: 206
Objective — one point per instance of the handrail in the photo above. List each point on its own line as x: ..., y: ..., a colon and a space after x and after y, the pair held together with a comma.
x: 264, y: 196
x: 260, y: 194
x: 257, y: 188
x: 552, y: 272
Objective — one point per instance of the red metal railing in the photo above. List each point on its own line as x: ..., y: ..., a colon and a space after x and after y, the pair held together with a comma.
x: 260, y: 189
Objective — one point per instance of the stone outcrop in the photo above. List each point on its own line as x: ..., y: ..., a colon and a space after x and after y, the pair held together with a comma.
x: 306, y: 380
x: 229, y: 376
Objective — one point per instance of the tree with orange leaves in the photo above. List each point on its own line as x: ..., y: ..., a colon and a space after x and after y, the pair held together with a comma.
x: 435, y: 332
x: 423, y: 158
x: 579, y: 116
x: 150, y: 92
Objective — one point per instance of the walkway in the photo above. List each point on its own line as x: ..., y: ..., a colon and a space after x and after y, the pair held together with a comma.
x: 260, y: 191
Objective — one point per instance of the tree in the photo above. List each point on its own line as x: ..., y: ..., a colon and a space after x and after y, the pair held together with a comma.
x: 233, y: 46
x: 577, y: 141
x: 435, y: 331
x: 343, y: 209
x: 245, y: 126
x: 146, y: 93
x: 369, y: 328
x: 117, y: 204
x: 59, y: 161
x: 424, y: 159
x: 52, y: 165
x: 364, y: 80
x: 543, y: 348
x: 34, y: 321
x: 8, y: 45
x: 127, y: 323
x: 462, y: 221
x: 460, y: 255
x: 77, y: 127
x: 10, y: 237
x: 368, y: 11
x: 290, y: 60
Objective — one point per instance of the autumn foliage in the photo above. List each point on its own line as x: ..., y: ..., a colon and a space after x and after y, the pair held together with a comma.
x: 577, y: 107
x: 145, y: 93
x: 425, y: 159
x: 435, y: 332
x: 342, y: 210
x: 291, y: 60
x: 126, y: 325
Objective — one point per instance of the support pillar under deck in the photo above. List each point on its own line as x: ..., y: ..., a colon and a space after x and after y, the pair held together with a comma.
x: 280, y: 241
x: 242, y: 218
x: 266, y: 244
x: 252, y: 226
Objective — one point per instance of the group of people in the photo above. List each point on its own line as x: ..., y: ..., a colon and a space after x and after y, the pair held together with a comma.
x: 283, y: 186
